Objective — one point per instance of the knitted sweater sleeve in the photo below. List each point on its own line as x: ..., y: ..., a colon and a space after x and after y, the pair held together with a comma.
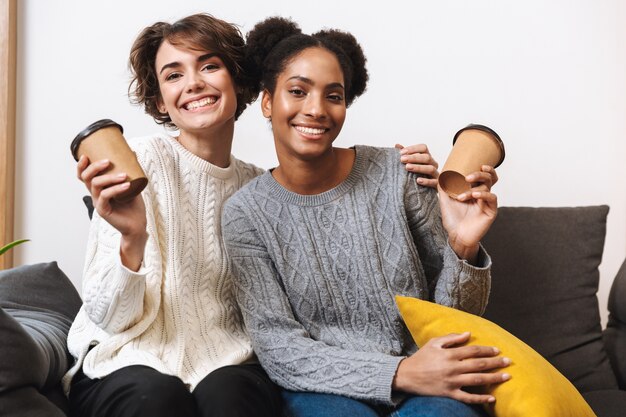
x: 287, y: 352
x: 451, y: 281
x: 112, y: 294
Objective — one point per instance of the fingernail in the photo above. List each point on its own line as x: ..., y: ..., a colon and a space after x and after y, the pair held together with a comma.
x: 506, y: 361
x: 125, y: 185
x: 122, y: 175
x: 403, y: 151
x: 404, y: 158
x: 506, y: 377
x: 420, y: 180
x: 496, y: 350
x: 492, y: 399
x: 460, y: 197
x: 409, y: 166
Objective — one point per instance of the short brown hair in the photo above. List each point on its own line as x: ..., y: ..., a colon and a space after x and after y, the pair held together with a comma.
x: 200, y: 32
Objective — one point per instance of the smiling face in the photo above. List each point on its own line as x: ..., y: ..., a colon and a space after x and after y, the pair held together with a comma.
x: 197, y: 91
x: 307, y: 107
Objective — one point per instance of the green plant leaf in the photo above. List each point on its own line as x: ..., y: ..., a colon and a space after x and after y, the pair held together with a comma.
x: 12, y: 244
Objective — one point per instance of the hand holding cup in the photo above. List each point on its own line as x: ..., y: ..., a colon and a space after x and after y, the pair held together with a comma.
x: 473, y: 147
x: 104, y: 140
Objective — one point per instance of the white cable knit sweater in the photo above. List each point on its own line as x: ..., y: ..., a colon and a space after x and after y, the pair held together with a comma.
x: 178, y: 313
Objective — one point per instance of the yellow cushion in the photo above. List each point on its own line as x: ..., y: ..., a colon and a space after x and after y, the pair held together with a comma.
x: 536, y: 388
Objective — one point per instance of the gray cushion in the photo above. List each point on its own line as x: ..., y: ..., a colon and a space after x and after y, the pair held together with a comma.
x: 37, y: 306
x: 39, y: 287
x: 615, y: 332
x: 545, y: 278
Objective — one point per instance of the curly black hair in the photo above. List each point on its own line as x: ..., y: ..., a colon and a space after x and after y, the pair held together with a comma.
x: 275, y: 41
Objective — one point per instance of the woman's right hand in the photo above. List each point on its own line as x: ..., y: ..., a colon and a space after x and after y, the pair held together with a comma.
x: 417, y: 159
x: 443, y: 366
x: 129, y: 218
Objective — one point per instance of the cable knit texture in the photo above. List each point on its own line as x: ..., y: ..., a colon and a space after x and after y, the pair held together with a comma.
x: 178, y: 314
x: 317, y: 275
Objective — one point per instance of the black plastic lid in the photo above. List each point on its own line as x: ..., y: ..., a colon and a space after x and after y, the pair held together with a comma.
x: 100, y: 124
x: 484, y: 129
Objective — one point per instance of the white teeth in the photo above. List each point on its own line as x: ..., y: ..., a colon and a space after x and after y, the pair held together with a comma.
x: 200, y: 103
x: 310, y: 130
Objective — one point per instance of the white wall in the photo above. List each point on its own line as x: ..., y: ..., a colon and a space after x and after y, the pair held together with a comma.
x: 549, y: 76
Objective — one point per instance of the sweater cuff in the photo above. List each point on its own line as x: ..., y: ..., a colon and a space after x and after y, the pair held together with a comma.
x: 483, y: 259
x: 140, y: 273
x: 124, y: 278
x: 474, y: 283
x: 126, y: 275
x: 384, y: 392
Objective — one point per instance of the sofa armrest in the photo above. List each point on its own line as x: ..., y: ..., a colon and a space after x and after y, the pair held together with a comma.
x: 615, y: 332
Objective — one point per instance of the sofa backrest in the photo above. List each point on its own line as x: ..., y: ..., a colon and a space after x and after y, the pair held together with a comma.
x: 544, y: 283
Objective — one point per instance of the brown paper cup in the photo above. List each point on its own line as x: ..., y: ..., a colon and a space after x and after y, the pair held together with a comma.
x: 474, y: 146
x: 104, y: 140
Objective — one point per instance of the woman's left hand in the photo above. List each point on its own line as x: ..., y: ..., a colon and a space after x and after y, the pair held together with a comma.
x: 468, y: 217
x: 417, y: 159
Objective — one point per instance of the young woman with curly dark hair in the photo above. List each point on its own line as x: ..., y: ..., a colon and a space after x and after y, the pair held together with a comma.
x: 321, y: 244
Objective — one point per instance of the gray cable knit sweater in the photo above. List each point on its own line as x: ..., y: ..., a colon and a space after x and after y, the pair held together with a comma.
x: 317, y: 275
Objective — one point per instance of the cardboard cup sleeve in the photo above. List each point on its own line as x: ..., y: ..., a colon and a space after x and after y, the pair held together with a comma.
x: 473, y: 147
x: 104, y: 140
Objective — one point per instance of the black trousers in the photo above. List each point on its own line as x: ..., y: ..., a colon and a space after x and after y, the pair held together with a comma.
x: 140, y: 391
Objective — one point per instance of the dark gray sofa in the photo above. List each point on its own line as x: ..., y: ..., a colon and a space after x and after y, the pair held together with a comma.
x: 545, y: 279
x: 544, y: 283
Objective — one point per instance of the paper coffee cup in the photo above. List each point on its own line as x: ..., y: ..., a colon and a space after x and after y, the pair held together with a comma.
x: 473, y: 147
x: 104, y: 140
